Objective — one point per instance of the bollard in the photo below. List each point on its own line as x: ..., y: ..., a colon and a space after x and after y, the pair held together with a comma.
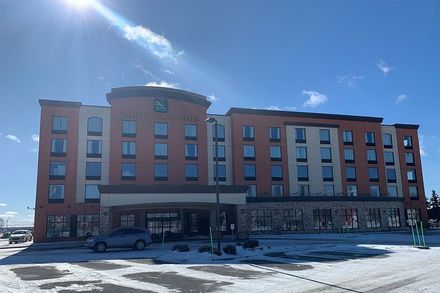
x: 210, y: 236
x: 423, y: 236
x: 419, y: 243
x: 412, y: 232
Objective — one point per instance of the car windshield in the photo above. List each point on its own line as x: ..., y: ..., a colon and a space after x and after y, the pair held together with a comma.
x: 19, y: 232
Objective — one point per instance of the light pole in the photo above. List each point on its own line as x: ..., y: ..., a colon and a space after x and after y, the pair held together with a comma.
x: 217, y: 191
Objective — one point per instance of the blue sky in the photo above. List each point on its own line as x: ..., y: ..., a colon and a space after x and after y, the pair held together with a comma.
x: 376, y: 58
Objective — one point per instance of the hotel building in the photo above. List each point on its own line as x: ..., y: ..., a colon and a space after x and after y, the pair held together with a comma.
x: 148, y: 159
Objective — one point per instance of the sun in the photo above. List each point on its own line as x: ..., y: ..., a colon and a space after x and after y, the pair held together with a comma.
x: 79, y: 4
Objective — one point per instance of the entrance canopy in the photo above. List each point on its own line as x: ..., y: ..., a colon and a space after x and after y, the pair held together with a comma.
x: 121, y: 195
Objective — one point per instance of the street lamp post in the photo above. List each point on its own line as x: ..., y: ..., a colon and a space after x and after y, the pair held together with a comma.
x: 217, y: 191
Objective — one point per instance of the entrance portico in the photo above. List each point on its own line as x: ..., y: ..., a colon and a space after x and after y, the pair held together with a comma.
x: 173, y: 211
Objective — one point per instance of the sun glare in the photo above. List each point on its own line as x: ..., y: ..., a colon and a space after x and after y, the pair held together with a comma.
x: 79, y: 4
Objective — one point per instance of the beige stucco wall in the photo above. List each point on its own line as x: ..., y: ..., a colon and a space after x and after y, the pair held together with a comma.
x: 392, y: 130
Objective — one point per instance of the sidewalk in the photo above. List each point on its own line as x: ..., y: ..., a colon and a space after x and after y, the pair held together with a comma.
x: 42, y: 246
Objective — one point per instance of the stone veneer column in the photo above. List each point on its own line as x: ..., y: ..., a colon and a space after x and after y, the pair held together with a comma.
x: 105, y: 219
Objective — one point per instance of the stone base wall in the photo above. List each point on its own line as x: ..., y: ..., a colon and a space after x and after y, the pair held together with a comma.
x: 244, y: 214
x: 105, y: 219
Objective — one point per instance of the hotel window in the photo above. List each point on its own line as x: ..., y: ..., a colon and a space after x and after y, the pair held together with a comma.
x: 347, y: 137
x: 352, y: 190
x: 301, y: 154
x: 371, y: 157
x: 374, y: 190
x: 303, y: 190
x: 389, y: 158
x: 161, y: 151
x: 326, y: 155
x: 409, y: 159
x: 324, y: 136
x: 274, y: 134
x: 248, y: 152
x: 292, y: 220
x: 93, y: 170
x: 413, y: 192
x: 191, y: 152
x: 190, y: 132
x: 300, y: 135
x: 92, y: 193
x: 94, y: 149
x: 275, y: 153
x: 220, y: 132
x: 373, y: 174
x: 392, y: 191
x: 191, y: 172
x: 129, y: 128
x: 56, y: 193
x: 407, y: 142
x: 349, y: 155
x: 327, y: 173
x: 322, y: 219
x: 249, y: 172
x: 412, y: 217
x: 277, y: 190
x: 411, y: 175
x: 387, y: 141
x: 391, y: 175
x: 58, y: 148
x: 369, y: 139
x: 128, y: 149
x: 252, y: 190
x: 87, y: 225
x: 161, y: 172
x: 161, y: 130
x: 94, y: 126
x: 221, y: 173
x: 57, y: 170
x: 349, y: 218
x: 248, y: 132
x: 373, y: 218
x: 221, y: 153
x: 58, y: 227
x: 261, y: 220
x: 350, y: 173
x: 303, y: 173
x: 328, y: 190
x: 277, y: 173
x: 59, y: 124
x: 393, y: 217
x: 127, y: 220
x: 128, y: 171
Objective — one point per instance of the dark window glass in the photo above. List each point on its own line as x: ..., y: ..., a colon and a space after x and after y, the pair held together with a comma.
x: 277, y: 172
x: 349, y: 155
x: 161, y: 151
x: 274, y: 134
x: 300, y: 135
x: 303, y: 173
x: 389, y: 158
x: 301, y: 154
x: 277, y: 190
x: 58, y: 227
x: 249, y: 172
x: 328, y: 190
x: 292, y: 220
x: 393, y: 217
x: 87, y: 225
x: 129, y: 149
x: 248, y: 152
x: 128, y: 171
x: 93, y: 170
x: 275, y: 153
x: 392, y: 191
x: 326, y: 155
x: 413, y: 192
x: 349, y: 218
x: 160, y: 171
x: 220, y: 132
x: 411, y: 175
x: 371, y: 156
x: 352, y: 190
x: 94, y: 148
x: 161, y: 130
x: 373, y: 218
x: 92, y: 192
x: 252, y: 190
x: 191, y: 152
x: 324, y: 136
x: 57, y: 170
x: 350, y: 173
x: 374, y: 190
x: 94, y: 126
x: 248, y: 132
x: 59, y: 124
x: 221, y: 173
x: 407, y: 141
x: 369, y: 138
x: 191, y: 172
x: 322, y: 219
x: 221, y: 152
x: 412, y: 217
x: 58, y: 147
x: 409, y: 158
x: 129, y: 128
x: 190, y: 131
x: 391, y: 175
x: 373, y: 174
x: 327, y: 173
x: 126, y: 220
x: 347, y: 137
x: 261, y: 220
x: 303, y: 190
x: 387, y: 140
x: 56, y: 193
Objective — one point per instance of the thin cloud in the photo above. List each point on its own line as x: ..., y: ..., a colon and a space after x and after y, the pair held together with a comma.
x: 314, y: 99
x: 422, y: 146
x: 138, y: 64
x: 276, y: 108
x: 401, y: 98
x: 35, y: 137
x: 383, y: 67
x: 3, y: 204
x: 212, y: 98
x: 35, y: 150
x: 13, y: 138
x: 8, y: 214
x: 164, y: 70
x: 349, y: 79
x: 158, y: 45
x: 163, y: 84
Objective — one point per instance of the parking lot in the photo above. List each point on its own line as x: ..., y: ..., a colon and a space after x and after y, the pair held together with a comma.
x: 381, y: 262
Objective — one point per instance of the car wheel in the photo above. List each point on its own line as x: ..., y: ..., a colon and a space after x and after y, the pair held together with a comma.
x: 10, y: 242
x: 139, y: 245
x: 100, y: 247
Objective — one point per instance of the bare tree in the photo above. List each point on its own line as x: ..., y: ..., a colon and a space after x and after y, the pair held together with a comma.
x: 2, y: 222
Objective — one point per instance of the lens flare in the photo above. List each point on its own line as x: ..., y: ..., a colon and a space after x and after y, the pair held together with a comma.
x: 79, y: 4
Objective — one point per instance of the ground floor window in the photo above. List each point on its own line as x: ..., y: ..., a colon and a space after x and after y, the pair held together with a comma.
x: 373, y: 218
x: 261, y: 220
x: 393, y: 217
x: 349, y: 218
x: 292, y: 220
x: 127, y: 220
x: 412, y: 217
x: 58, y: 226
x: 322, y: 219
x: 87, y: 225
x: 164, y: 222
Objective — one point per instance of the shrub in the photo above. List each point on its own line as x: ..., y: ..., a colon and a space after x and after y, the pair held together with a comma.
x: 207, y: 248
x: 230, y: 249
x: 180, y: 247
x: 251, y: 243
